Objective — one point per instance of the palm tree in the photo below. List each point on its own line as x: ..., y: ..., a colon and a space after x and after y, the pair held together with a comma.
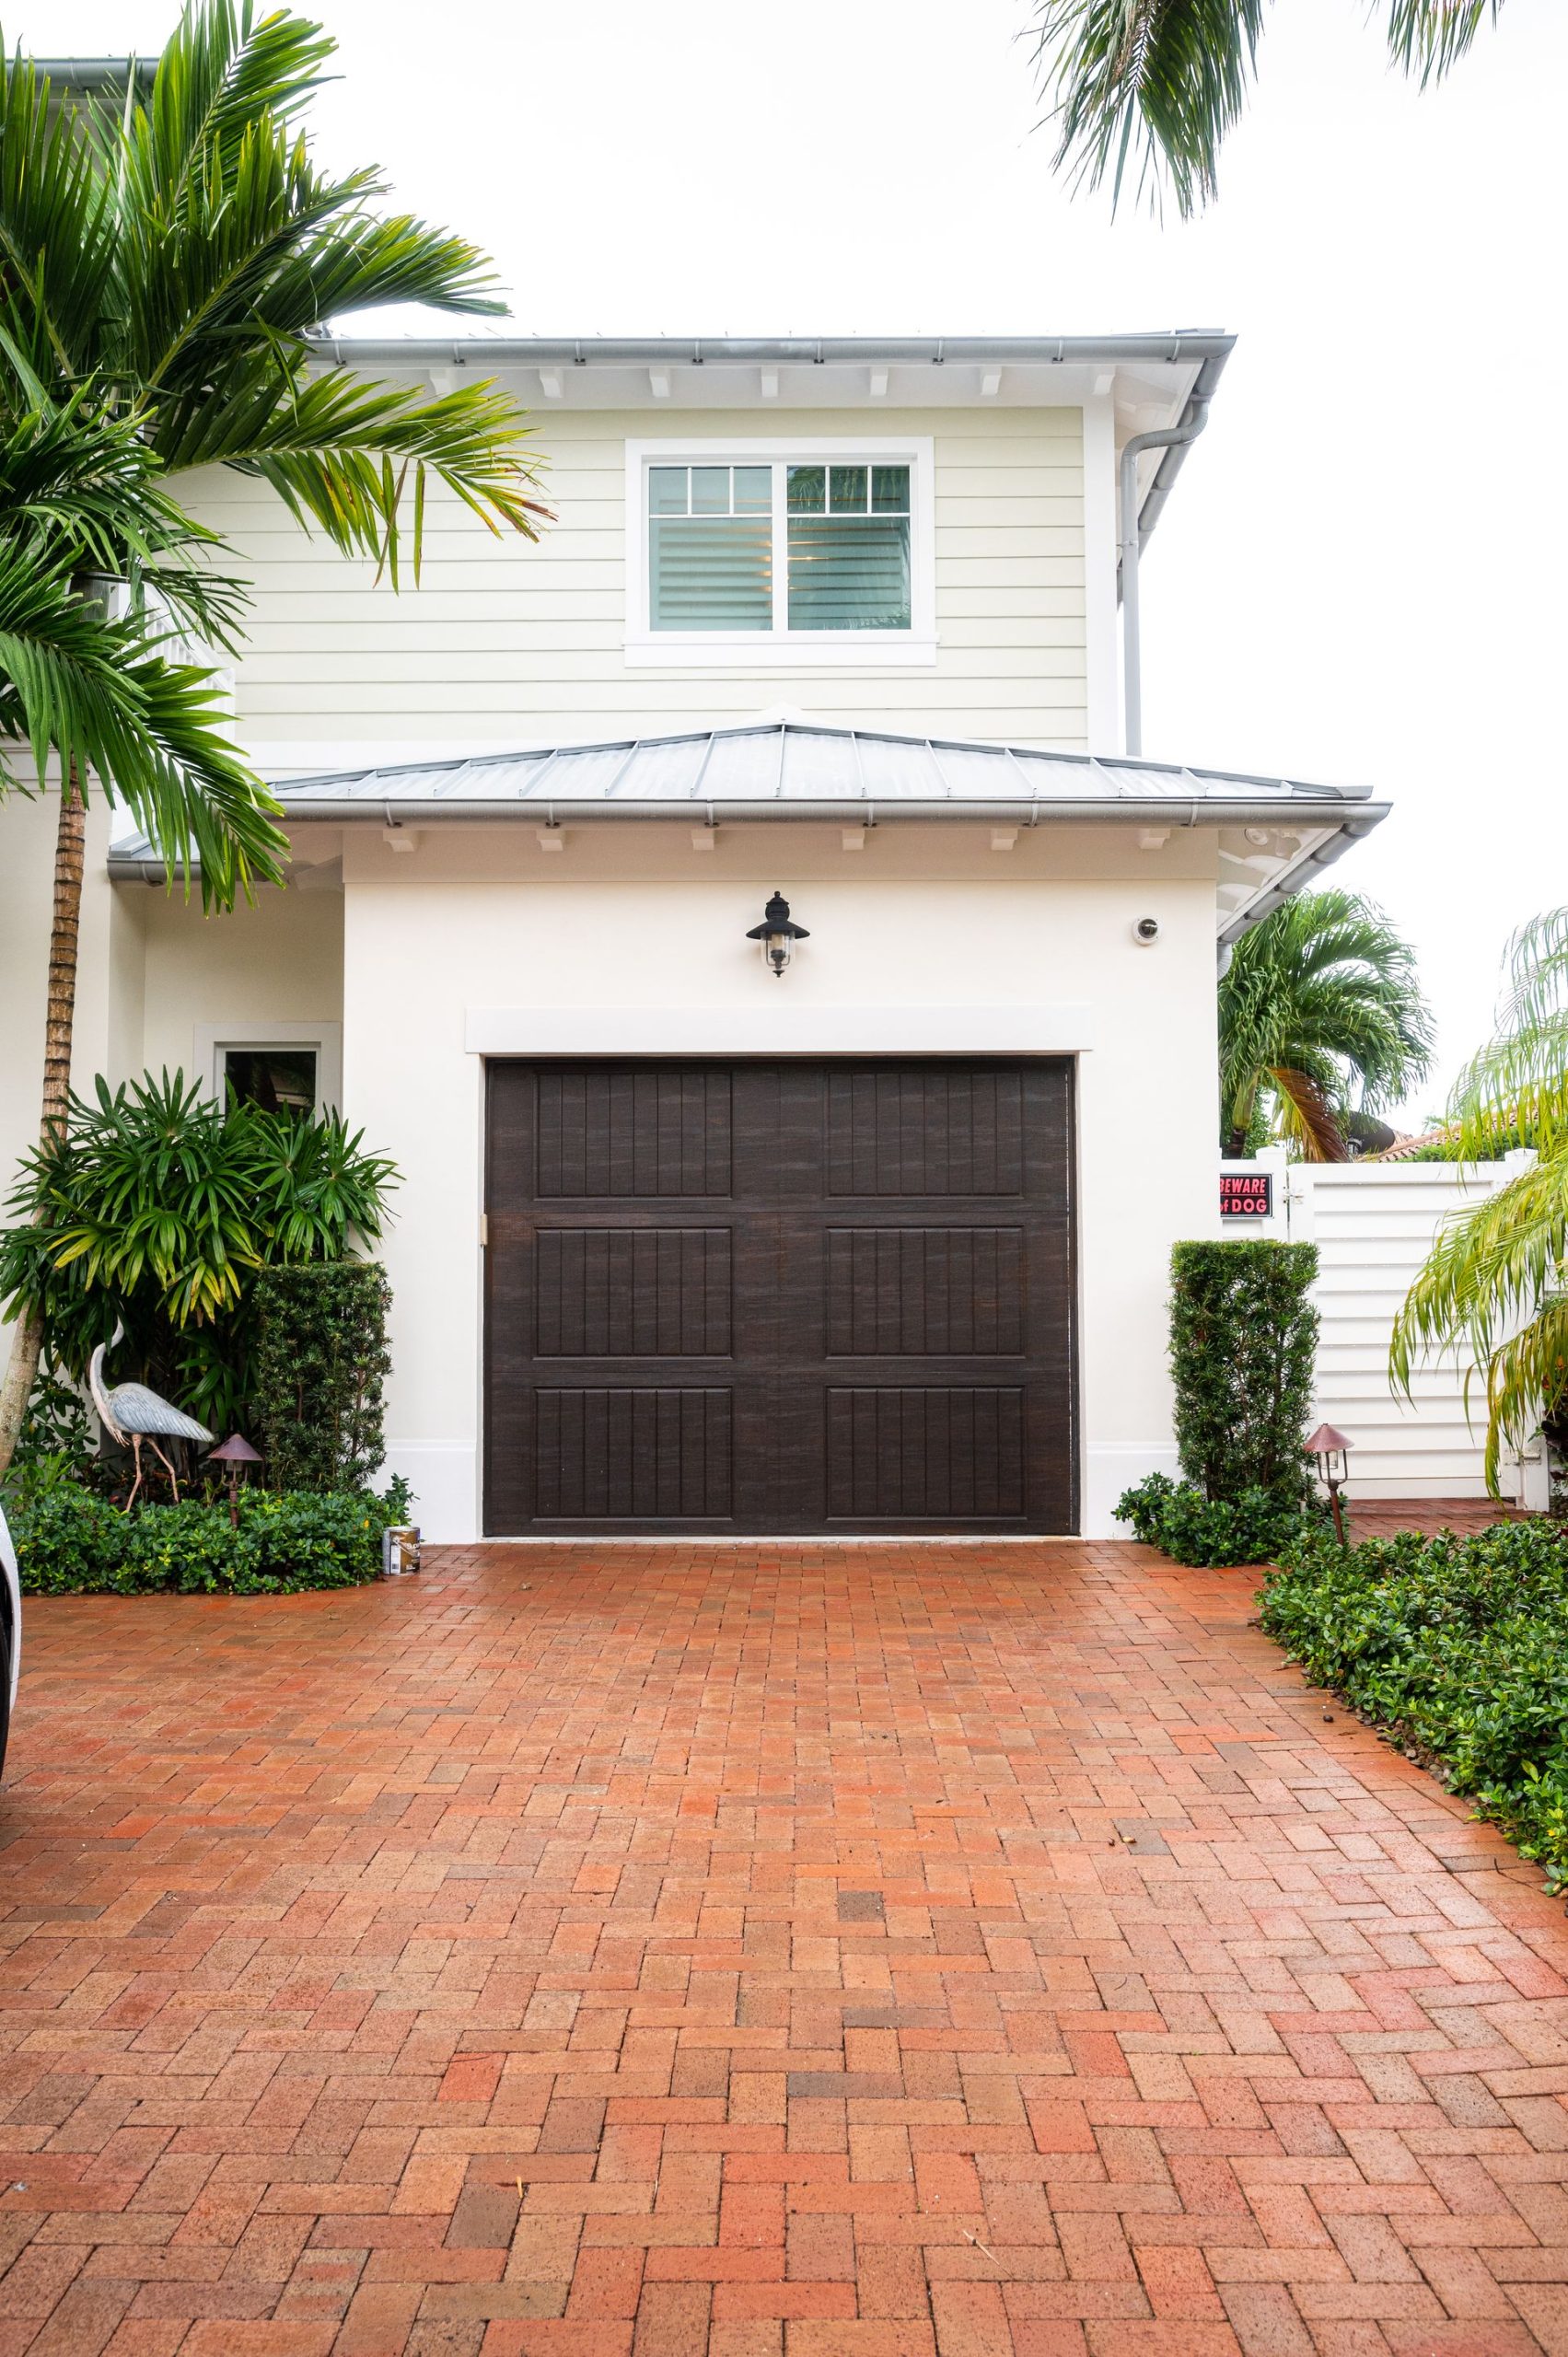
x: 1320, y: 1015
x: 1493, y: 1284
x: 163, y: 269
x: 1158, y: 83
x: 86, y: 691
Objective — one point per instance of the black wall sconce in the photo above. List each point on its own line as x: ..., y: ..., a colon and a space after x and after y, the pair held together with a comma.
x: 777, y: 934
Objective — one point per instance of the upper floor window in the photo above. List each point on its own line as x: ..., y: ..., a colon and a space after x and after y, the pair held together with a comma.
x: 805, y: 554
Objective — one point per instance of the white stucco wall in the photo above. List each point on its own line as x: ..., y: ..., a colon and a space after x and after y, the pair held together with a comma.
x: 277, y: 960
x: 628, y: 921
x: 27, y: 863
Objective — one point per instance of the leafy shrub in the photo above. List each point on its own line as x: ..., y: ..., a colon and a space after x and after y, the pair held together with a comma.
x: 67, y: 1539
x: 57, y: 1427
x: 320, y: 1373
x: 1192, y: 1528
x: 1459, y: 1647
x: 1243, y: 1338
x: 71, y: 1543
x: 154, y: 1208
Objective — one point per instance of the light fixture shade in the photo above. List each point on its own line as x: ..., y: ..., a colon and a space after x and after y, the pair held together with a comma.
x: 1327, y: 1442
x: 235, y: 1450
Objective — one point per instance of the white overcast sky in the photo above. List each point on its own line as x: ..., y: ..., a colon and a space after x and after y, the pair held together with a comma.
x: 1359, y: 575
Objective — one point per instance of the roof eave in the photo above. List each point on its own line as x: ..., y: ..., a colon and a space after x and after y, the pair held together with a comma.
x: 1172, y: 347
x: 1165, y: 810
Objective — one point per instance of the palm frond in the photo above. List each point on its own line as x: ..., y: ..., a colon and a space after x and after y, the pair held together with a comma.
x: 348, y: 455
x: 1429, y: 37
x: 1516, y: 1085
x: 56, y: 226
x: 1307, y: 1115
x: 1149, y: 88
x: 218, y: 72
x: 1152, y: 84
x: 78, y: 689
x: 1491, y: 1288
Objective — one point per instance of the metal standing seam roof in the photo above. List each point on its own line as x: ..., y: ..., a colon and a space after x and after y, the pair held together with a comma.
x: 790, y: 768
x: 784, y: 769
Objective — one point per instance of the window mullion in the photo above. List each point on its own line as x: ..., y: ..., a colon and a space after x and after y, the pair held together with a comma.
x: 781, y: 548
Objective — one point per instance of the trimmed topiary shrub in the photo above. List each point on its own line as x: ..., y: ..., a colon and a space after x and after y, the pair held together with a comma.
x: 1460, y: 1648
x: 1243, y: 1339
x: 320, y: 1373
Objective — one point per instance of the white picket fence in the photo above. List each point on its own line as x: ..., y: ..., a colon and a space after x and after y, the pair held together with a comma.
x: 1373, y: 1223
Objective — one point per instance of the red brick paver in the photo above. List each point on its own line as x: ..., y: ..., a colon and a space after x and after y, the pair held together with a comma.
x: 874, y: 1952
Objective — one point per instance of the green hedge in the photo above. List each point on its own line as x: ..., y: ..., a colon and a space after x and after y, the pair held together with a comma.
x: 1460, y: 1648
x: 1192, y: 1528
x: 321, y: 1366
x: 71, y: 1543
x: 1243, y: 1337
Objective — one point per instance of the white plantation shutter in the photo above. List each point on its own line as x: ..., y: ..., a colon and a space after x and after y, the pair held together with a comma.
x: 710, y: 548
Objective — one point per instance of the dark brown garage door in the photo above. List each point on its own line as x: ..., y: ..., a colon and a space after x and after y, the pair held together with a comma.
x: 780, y: 1296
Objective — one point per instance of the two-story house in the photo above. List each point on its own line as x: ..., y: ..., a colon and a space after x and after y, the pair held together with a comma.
x: 864, y: 1227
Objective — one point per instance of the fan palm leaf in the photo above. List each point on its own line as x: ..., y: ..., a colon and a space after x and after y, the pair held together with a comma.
x: 1147, y: 90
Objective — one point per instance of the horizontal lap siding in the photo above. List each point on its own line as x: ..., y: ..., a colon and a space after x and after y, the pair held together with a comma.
x: 504, y: 639
x: 1373, y: 1228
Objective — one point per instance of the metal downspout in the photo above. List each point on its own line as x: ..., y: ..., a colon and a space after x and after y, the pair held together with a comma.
x: 1170, y: 437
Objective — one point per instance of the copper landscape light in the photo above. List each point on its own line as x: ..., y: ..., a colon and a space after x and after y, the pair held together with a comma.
x: 1330, y: 1449
x: 233, y: 1453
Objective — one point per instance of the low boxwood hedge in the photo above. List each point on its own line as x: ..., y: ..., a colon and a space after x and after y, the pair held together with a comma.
x: 1460, y: 1648
x: 69, y: 1542
x: 1192, y: 1528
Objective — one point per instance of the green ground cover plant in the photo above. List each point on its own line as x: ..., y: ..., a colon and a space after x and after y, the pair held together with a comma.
x: 1458, y: 1646
x: 70, y: 1542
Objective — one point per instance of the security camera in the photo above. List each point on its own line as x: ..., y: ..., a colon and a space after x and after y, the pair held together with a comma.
x: 1146, y: 929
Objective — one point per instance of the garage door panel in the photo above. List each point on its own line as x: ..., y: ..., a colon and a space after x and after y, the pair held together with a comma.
x: 645, y: 1454
x: 925, y: 1452
x: 925, y: 1292
x: 915, y: 1132
x: 617, y: 1134
x: 618, y: 1293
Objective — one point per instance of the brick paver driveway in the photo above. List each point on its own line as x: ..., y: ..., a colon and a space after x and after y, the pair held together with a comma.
x: 872, y: 1953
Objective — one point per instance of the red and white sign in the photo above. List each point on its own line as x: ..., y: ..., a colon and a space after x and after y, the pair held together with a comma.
x: 1246, y: 1194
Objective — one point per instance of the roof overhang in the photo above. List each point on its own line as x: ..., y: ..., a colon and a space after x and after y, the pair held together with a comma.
x: 1152, y: 379
x: 1274, y: 834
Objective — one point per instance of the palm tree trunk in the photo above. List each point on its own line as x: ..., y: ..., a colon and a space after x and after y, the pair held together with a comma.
x: 26, y: 1335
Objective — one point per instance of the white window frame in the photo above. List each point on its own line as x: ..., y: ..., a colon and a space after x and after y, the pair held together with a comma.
x: 782, y: 649
x: 213, y: 1042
